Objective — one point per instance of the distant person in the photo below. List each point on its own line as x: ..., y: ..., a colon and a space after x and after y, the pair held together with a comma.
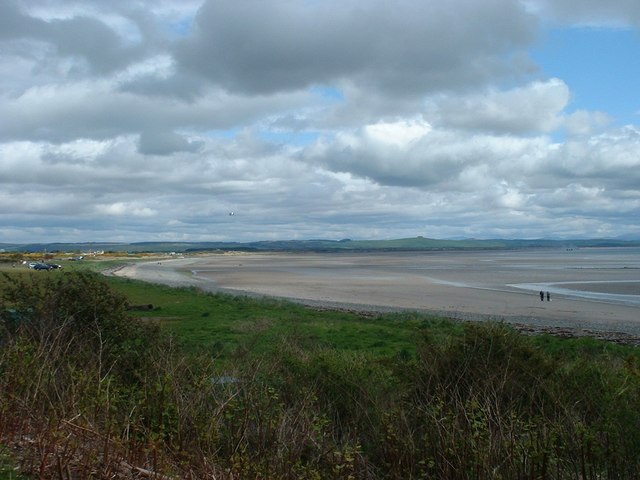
x: 548, y: 297
x: 541, y: 296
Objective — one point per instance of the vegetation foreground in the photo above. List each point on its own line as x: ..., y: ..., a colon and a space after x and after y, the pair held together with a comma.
x: 105, y: 378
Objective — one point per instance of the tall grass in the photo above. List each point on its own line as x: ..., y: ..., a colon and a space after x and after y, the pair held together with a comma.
x: 86, y: 391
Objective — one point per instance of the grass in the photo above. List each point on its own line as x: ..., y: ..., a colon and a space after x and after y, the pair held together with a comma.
x: 582, y: 348
x: 9, y: 465
x: 221, y: 323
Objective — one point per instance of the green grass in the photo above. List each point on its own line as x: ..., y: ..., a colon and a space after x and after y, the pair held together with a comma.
x: 584, y: 348
x: 8, y: 466
x: 221, y: 323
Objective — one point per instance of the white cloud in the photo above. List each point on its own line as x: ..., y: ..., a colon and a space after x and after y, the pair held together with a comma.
x: 536, y: 107
x: 608, y: 158
x: 400, y: 134
x: 125, y: 209
x: 152, y: 120
x: 540, y: 106
x: 584, y: 123
x: 437, y: 159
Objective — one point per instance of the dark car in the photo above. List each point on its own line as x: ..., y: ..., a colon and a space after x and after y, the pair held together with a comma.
x: 42, y: 266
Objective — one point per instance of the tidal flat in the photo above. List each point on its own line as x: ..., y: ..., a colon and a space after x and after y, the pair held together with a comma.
x: 594, y: 288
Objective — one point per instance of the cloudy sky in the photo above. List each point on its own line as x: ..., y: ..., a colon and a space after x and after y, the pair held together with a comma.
x: 143, y: 120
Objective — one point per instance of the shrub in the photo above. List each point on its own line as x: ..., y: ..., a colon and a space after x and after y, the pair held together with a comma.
x: 93, y: 393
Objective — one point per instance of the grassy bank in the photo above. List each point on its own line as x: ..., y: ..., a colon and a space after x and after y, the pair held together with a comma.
x: 196, y: 385
x: 221, y: 323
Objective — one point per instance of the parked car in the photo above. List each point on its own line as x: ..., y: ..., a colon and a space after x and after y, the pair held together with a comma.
x: 42, y: 266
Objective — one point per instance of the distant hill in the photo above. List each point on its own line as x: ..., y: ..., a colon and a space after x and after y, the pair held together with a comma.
x: 319, y: 245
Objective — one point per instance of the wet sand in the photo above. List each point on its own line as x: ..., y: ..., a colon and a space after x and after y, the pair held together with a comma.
x: 595, y: 289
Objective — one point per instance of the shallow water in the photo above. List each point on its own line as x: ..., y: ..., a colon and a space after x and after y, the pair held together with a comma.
x: 590, y: 290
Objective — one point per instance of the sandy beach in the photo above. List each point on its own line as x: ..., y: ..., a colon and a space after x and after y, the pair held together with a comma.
x: 595, y: 289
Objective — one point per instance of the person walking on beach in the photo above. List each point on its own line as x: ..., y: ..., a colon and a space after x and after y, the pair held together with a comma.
x: 548, y: 297
x: 541, y: 296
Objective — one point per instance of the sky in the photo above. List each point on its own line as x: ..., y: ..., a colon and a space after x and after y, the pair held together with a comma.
x: 243, y: 120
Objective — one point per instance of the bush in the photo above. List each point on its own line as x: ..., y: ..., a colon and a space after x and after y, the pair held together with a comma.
x: 91, y: 392
x: 77, y: 313
x: 70, y: 352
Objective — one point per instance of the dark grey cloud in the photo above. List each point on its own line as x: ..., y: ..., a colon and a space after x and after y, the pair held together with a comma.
x: 91, y: 40
x: 166, y: 143
x: 401, y: 47
x: 180, y: 86
x: 85, y: 38
x: 594, y: 12
x: 15, y: 24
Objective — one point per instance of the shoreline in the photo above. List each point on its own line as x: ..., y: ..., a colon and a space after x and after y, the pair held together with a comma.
x: 366, y: 287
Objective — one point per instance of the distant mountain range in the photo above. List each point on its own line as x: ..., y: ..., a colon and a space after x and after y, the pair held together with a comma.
x: 346, y: 245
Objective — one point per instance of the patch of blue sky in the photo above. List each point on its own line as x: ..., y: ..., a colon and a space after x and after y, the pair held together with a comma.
x: 298, y: 139
x: 599, y: 65
x: 181, y: 27
x: 328, y: 93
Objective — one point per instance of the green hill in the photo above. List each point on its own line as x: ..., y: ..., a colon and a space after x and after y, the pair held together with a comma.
x: 401, y: 244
